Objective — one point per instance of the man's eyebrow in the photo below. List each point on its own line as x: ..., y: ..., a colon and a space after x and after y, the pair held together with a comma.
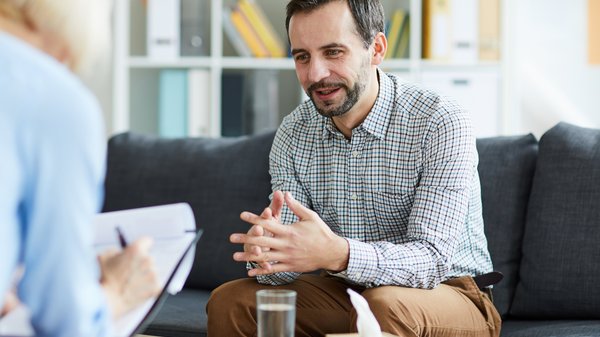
x: 298, y: 50
x: 327, y: 46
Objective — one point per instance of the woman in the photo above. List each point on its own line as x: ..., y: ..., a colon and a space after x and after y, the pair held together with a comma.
x: 51, y: 177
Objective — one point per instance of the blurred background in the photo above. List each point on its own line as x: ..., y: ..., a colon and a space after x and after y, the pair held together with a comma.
x: 187, y: 68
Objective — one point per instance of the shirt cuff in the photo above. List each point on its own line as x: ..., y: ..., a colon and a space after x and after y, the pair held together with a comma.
x: 363, y: 262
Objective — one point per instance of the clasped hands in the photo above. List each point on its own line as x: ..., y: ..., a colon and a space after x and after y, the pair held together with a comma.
x: 304, y: 246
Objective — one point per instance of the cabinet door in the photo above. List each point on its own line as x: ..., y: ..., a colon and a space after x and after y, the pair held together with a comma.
x: 476, y: 91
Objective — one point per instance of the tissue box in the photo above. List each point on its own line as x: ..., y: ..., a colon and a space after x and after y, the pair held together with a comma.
x: 383, y: 334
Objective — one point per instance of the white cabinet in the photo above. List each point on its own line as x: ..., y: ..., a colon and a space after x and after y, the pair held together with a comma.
x: 475, y: 90
x: 137, y: 77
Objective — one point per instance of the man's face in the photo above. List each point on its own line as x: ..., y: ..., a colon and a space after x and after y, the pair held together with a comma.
x: 332, y: 64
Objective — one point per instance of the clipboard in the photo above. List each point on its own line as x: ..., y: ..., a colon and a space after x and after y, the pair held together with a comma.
x: 162, y: 297
x: 174, y: 232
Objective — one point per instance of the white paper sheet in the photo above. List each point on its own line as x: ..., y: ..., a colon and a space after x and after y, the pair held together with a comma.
x: 173, y: 230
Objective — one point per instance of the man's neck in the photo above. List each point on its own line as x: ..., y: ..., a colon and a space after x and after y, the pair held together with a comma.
x: 353, y: 118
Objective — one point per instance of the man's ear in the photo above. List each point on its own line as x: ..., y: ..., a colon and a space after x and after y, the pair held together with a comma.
x: 379, y: 47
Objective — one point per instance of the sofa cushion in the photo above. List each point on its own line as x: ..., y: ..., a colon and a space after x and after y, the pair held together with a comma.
x: 219, y: 178
x: 558, y: 328
x: 560, y: 271
x: 506, y: 166
x: 181, y: 315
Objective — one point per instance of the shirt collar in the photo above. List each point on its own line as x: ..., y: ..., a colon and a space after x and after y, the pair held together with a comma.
x: 378, y: 119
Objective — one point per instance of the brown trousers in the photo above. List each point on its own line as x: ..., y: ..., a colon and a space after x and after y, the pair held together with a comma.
x: 455, y: 308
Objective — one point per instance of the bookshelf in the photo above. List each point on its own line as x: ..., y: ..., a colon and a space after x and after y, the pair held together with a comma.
x: 137, y: 77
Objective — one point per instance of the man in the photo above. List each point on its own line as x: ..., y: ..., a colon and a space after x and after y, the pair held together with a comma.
x: 53, y: 153
x: 381, y: 189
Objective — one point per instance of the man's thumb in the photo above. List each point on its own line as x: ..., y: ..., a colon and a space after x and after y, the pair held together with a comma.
x: 296, y: 207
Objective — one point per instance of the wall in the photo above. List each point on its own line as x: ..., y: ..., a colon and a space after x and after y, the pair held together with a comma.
x: 100, y: 82
x: 553, y: 79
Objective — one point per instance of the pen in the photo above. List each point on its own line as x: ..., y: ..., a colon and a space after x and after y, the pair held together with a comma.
x: 122, y: 240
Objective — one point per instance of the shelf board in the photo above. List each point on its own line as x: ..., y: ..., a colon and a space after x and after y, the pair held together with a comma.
x: 232, y: 62
x: 396, y: 64
x: 182, y: 62
x: 458, y: 66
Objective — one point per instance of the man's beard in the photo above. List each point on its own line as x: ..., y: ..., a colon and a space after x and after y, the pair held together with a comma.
x: 330, y: 110
x: 352, y: 94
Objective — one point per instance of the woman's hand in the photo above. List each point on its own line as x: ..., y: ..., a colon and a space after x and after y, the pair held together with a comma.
x: 128, y: 276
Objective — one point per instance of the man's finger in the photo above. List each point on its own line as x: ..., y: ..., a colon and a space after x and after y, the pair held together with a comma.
x: 256, y: 230
x: 269, y: 224
x: 265, y: 256
x: 266, y: 214
x: 274, y: 268
x: 261, y: 241
x: 277, y: 204
x: 297, y: 208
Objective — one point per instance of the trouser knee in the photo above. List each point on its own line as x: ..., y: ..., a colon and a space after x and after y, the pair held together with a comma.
x: 390, y: 312
x: 232, y: 302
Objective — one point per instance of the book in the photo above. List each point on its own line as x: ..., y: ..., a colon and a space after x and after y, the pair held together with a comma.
x: 163, y: 29
x: 464, y: 31
x: 262, y: 27
x: 402, y: 49
x: 172, y: 103
x: 199, y: 101
x: 450, y: 30
x: 232, y: 107
x: 234, y: 36
x: 195, y: 28
x: 261, y: 101
x: 593, y: 15
x: 249, y: 35
x: 173, y: 230
x: 489, y: 30
x: 436, y: 29
x: 395, y: 32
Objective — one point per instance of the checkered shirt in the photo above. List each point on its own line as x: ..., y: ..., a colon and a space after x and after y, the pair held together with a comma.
x: 404, y: 190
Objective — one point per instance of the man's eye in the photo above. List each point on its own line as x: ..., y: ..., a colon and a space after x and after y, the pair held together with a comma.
x: 333, y: 52
x: 301, y: 58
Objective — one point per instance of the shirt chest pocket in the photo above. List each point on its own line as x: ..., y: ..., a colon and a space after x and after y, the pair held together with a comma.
x: 392, y: 211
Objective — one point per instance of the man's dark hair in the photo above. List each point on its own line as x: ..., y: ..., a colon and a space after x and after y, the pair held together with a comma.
x: 368, y: 15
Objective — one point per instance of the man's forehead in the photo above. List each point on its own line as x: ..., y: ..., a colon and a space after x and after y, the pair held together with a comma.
x: 329, y: 24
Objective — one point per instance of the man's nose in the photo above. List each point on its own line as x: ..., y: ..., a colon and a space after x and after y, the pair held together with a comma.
x: 318, y: 70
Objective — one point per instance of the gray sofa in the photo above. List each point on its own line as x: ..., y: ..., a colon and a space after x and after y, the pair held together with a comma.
x: 541, y: 206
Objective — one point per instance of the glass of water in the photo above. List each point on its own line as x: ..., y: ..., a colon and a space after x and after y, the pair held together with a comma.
x: 276, y: 310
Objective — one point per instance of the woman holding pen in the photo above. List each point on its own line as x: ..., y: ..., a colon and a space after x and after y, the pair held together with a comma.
x: 52, y: 151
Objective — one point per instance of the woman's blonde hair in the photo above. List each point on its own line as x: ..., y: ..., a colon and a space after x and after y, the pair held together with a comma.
x: 82, y: 25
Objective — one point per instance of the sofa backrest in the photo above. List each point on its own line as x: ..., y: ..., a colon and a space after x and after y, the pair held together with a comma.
x: 560, y: 268
x: 222, y: 177
x: 219, y: 178
x: 506, y: 167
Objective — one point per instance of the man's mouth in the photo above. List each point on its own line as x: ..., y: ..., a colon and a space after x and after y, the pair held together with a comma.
x: 326, y: 93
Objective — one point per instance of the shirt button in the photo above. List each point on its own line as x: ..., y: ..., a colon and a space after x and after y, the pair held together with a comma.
x: 355, y: 154
x: 354, y: 196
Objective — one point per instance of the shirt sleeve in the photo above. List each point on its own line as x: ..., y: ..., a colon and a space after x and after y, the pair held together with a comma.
x: 64, y: 163
x: 283, y: 178
x: 437, y: 217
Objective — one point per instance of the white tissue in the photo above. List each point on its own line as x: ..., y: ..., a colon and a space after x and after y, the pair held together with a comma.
x: 366, y: 323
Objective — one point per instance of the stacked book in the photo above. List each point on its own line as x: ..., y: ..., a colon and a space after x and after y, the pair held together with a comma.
x: 398, y: 35
x: 250, y: 32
